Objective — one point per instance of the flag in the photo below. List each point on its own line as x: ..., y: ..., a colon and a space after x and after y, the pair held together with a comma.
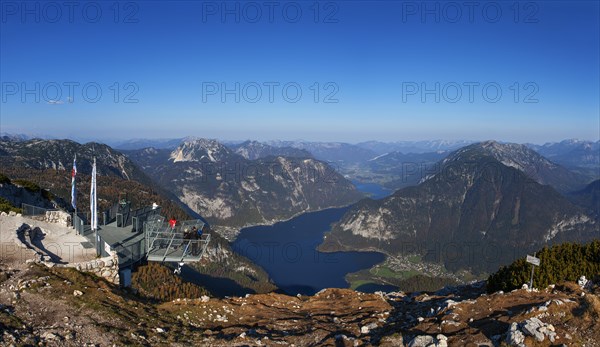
x: 93, y: 208
x: 73, y: 189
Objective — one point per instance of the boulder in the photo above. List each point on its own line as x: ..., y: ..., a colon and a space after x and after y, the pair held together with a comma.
x: 392, y: 341
x: 421, y: 341
x: 58, y: 217
x: 49, y: 336
x: 367, y: 328
x: 584, y: 283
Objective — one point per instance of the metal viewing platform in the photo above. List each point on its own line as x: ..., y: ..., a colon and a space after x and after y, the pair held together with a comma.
x: 143, y: 234
x: 181, y: 244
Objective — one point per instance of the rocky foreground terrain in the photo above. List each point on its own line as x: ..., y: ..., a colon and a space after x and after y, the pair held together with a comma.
x: 64, y: 307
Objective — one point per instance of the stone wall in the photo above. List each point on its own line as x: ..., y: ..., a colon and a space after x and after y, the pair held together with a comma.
x: 107, y: 267
x: 11, y: 214
x: 59, y: 217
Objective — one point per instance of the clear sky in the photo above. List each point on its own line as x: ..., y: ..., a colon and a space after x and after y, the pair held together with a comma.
x: 366, y: 70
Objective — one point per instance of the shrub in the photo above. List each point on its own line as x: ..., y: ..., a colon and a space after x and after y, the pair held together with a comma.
x: 4, y: 179
x: 565, y: 262
x: 30, y: 186
x: 6, y: 206
x: 47, y: 194
x: 158, y: 282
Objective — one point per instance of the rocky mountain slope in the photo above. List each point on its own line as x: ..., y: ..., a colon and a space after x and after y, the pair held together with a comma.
x: 116, y: 175
x: 255, y: 150
x: 62, y: 307
x: 14, y: 194
x: 534, y: 165
x: 14, y: 137
x: 230, y: 190
x: 579, y: 156
x: 48, y: 164
x: 59, y: 154
x: 404, y: 163
x: 398, y: 170
x: 480, y: 211
x: 588, y: 197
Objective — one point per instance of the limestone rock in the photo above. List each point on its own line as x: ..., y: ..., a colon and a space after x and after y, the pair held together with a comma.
x: 422, y: 341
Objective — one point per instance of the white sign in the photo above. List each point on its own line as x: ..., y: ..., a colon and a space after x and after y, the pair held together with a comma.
x: 107, y: 248
x: 533, y: 260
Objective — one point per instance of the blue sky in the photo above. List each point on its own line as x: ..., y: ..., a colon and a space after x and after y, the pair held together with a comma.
x: 171, y: 61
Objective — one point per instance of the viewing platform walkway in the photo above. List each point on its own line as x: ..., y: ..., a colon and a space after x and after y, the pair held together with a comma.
x: 181, y: 244
x: 144, y: 233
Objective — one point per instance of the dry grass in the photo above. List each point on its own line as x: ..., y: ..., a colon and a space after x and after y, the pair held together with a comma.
x: 568, y: 287
x: 591, y: 307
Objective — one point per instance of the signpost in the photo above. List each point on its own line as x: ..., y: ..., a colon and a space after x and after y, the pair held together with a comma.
x: 534, y: 262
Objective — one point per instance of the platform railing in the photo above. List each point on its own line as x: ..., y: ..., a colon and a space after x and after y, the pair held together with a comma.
x: 179, y: 244
x: 30, y: 210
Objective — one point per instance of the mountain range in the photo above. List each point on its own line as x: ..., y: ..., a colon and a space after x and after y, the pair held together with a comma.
x: 145, y: 143
x: 488, y: 193
x: 424, y: 146
x: 582, y: 156
x: 483, y: 208
x: 59, y: 154
x: 47, y: 164
x: 255, y: 150
x: 338, y: 153
x: 231, y: 190
x: 571, y: 153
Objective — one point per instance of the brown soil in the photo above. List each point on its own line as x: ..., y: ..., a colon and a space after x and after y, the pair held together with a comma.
x: 38, y: 307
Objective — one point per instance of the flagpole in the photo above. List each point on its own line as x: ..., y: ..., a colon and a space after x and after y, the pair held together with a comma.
x: 93, y: 206
x: 74, y: 194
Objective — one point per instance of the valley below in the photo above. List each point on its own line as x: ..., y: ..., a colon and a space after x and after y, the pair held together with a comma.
x: 288, y: 253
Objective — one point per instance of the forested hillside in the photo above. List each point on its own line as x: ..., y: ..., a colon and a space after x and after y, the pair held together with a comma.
x: 564, y: 262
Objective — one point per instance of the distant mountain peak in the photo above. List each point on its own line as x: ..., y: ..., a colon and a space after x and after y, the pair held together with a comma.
x: 200, y: 141
x: 572, y: 141
x: 252, y: 149
x: 489, y: 143
x: 522, y: 158
x: 200, y: 149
